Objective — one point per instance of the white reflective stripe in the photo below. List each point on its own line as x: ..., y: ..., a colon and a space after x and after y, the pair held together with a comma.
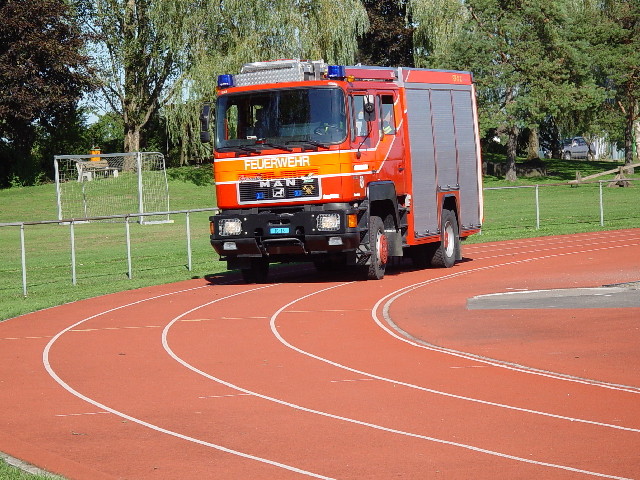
x: 333, y: 175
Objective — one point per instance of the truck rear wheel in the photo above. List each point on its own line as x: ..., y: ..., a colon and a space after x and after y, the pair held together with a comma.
x: 447, y: 251
x: 257, y: 272
x: 379, y: 246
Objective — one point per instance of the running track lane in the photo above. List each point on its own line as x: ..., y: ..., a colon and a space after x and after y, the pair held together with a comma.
x: 317, y: 377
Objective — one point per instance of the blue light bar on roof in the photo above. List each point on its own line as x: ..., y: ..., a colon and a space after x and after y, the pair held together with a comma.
x: 225, y: 81
x: 336, y: 72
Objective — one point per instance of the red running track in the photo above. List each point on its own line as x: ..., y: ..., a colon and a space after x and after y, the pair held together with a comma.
x: 325, y: 377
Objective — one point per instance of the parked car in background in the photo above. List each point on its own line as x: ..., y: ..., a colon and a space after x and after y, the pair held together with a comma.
x: 576, y: 147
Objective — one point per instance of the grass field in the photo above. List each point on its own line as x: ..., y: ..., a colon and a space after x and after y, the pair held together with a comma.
x: 9, y: 472
x: 159, y: 253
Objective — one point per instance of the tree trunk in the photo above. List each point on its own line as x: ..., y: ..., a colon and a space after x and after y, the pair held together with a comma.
x: 534, y: 144
x: 628, y: 137
x: 131, y: 144
x: 636, y: 131
x: 512, y: 148
x: 132, y: 138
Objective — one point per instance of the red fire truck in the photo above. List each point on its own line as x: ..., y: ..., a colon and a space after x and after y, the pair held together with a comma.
x: 343, y: 165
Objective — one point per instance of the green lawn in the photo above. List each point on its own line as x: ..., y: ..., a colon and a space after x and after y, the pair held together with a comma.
x: 159, y: 253
x: 9, y: 472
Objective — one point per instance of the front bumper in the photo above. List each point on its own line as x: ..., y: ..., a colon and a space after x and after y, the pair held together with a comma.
x: 283, y: 234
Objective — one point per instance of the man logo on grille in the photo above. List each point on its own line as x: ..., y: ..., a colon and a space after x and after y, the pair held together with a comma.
x: 278, y: 192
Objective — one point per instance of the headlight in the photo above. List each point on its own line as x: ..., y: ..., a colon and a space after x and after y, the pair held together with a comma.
x: 229, y: 226
x: 328, y: 221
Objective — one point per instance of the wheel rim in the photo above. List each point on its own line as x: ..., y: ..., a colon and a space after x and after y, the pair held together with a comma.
x: 449, y: 241
x: 382, y: 248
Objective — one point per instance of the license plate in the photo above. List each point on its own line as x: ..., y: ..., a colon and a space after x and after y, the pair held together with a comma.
x: 278, y: 230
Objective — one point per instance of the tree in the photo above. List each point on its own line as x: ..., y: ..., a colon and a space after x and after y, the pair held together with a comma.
x: 617, y: 50
x: 246, y: 31
x: 166, y: 54
x: 437, y: 26
x: 43, y: 74
x: 523, y: 65
x: 389, y: 41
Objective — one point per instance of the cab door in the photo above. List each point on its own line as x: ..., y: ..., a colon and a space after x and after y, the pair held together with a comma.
x: 364, y: 127
x: 390, y: 146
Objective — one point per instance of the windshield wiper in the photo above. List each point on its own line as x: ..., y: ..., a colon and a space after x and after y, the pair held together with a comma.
x: 275, y: 145
x: 306, y: 141
x: 236, y: 149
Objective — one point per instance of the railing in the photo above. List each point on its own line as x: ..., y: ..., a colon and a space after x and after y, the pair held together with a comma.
x: 500, y: 214
x: 72, y: 222
x: 537, y: 187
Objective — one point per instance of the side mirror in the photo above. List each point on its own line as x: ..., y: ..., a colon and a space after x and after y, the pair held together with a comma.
x: 369, y: 108
x: 205, y: 123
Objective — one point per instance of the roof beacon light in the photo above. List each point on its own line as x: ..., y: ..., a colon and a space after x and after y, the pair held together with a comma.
x: 225, y: 81
x: 336, y: 72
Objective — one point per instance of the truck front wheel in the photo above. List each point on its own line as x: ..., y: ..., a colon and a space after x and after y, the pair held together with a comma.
x: 379, y: 246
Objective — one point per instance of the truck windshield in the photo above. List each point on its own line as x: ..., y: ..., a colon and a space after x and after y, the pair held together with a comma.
x: 281, y: 118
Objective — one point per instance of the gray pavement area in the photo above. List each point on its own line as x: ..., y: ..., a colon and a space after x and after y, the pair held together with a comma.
x: 624, y: 295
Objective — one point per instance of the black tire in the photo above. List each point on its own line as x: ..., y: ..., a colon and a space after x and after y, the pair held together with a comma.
x: 449, y: 247
x: 566, y: 156
x: 379, y: 246
x: 257, y: 272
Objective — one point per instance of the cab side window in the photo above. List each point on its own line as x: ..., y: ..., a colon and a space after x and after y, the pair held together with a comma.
x: 387, y: 119
x: 359, y: 123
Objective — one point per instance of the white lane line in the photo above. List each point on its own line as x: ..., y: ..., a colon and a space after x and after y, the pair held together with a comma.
x: 558, y: 240
x: 26, y: 338
x: 275, y: 331
x: 80, y: 414
x: 71, y: 390
x: 506, y: 253
x: 352, y: 420
x: 82, y: 330
x: 226, y: 396
x: 353, y: 380
x: 472, y: 366
x: 394, y: 330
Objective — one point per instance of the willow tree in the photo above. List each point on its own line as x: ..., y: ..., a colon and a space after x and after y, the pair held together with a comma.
x: 438, y: 25
x: 165, y: 54
x: 243, y: 31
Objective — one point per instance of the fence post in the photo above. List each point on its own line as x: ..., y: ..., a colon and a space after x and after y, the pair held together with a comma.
x: 537, y: 207
x: 56, y: 168
x: 188, y: 242
x: 140, y: 195
x: 601, y: 205
x: 73, y: 251
x: 23, y: 256
x: 128, y: 232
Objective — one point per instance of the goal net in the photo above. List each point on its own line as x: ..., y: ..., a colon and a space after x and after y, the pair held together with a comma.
x: 113, y: 184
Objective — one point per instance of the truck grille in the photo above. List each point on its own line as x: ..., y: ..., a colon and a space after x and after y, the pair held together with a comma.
x: 279, y: 190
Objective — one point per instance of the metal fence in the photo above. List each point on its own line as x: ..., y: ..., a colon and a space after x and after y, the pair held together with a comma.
x: 588, y: 207
x: 125, y: 218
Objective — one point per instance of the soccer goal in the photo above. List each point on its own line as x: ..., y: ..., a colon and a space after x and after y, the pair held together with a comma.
x: 113, y: 184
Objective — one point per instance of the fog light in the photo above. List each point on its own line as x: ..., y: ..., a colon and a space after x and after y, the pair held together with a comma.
x: 335, y: 241
x: 328, y: 221
x: 229, y: 246
x: 229, y: 226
